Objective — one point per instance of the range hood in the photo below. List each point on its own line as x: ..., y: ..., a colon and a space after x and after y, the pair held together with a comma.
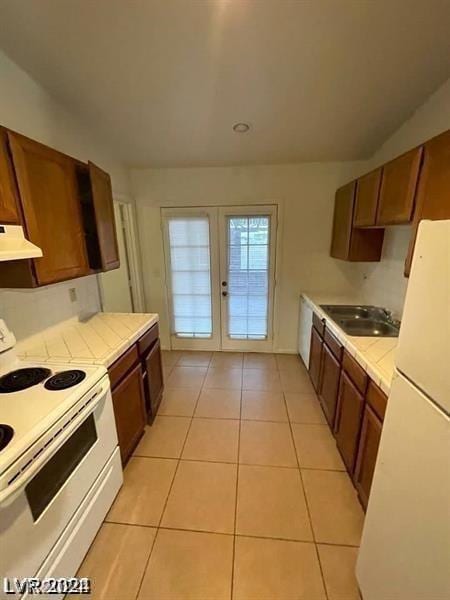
x: 13, y: 244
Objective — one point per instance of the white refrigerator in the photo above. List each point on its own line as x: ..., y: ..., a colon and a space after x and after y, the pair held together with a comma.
x: 405, y: 547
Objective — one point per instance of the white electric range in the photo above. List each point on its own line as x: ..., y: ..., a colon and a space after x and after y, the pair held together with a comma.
x: 60, y: 465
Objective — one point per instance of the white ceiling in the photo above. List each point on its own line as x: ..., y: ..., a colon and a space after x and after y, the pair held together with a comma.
x: 164, y: 80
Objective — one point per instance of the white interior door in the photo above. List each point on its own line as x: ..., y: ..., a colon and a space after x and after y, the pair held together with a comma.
x: 192, y: 275
x: 247, y: 277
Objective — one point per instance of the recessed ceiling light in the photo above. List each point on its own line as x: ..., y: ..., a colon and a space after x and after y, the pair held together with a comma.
x: 241, y: 127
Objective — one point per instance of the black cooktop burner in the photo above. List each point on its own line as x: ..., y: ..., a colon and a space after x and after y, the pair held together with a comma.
x: 64, y: 379
x: 6, y: 433
x: 22, y: 379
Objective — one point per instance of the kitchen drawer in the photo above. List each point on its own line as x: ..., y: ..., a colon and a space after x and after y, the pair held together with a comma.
x: 122, y: 365
x: 333, y: 344
x: 356, y: 373
x: 319, y: 324
x: 148, y: 339
x: 376, y: 399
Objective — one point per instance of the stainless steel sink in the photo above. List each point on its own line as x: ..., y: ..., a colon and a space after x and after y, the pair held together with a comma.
x: 370, y: 321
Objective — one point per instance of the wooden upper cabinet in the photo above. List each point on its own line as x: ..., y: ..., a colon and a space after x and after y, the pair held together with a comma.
x: 342, y: 222
x: 104, y: 216
x: 367, y: 192
x: 398, y: 188
x: 349, y: 243
x: 9, y: 212
x: 52, y: 215
x: 433, y: 193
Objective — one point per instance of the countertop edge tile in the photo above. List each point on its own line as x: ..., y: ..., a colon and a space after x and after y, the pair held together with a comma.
x: 357, y: 347
x: 135, y: 331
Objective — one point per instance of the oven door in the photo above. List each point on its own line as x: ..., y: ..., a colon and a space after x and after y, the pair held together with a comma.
x: 34, y: 518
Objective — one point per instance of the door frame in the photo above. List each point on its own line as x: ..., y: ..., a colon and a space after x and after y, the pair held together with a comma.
x: 128, y: 225
x: 179, y: 343
x: 270, y: 210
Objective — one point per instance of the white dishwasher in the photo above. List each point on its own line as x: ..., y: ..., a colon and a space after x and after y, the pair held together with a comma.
x: 304, y: 330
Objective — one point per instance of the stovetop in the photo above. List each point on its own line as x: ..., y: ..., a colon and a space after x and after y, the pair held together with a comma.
x: 27, y: 413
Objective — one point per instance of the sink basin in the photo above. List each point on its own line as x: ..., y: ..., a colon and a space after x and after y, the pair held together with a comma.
x: 369, y: 328
x: 370, y: 321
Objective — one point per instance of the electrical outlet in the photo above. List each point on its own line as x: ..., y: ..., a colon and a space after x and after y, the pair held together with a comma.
x: 73, y: 294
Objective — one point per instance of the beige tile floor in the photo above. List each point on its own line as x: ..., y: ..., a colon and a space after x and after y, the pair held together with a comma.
x: 236, y: 491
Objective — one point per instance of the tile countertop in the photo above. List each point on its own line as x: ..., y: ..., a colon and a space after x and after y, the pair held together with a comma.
x: 99, y: 339
x: 375, y: 355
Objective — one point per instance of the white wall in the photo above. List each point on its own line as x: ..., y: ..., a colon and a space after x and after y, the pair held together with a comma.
x: 27, y: 312
x: 305, y: 194
x: 384, y: 282
x: 27, y: 108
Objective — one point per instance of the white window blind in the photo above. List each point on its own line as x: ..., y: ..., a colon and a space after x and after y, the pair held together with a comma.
x: 190, y: 269
x: 248, y: 277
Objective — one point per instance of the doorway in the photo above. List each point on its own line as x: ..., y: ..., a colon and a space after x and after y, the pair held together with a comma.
x: 220, y: 275
x: 121, y: 289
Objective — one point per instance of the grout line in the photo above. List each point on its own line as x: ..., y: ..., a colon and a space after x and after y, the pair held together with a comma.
x: 169, y: 491
x: 236, y: 499
x: 307, y: 505
x: 243, y: 535
x: 244, y: 464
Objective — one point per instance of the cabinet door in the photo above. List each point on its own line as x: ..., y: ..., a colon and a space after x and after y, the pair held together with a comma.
x: 315, y: 358
x: 433, y: 192
x: 367, y: 191
x: 52, y: 214
x: 154, y: 379
x: 329, y: 384
x: 348, y: 420
x: 367, y: 453
x: 9, y: 212
x: 104, y: 216
x: 129, y: 411
x: 349, y: 243
x: 398, y: 188
x: 342, y: 221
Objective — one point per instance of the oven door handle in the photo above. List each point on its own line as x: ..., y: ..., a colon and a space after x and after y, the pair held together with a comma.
x: 9, y: 494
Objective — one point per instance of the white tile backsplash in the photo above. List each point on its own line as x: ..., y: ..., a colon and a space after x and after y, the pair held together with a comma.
x: 27, y: 312
x: 384, y: 283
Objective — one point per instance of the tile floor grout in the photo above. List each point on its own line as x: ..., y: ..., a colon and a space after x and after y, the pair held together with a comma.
x: 165, y: 502
x: 236, y: 499
x: 243, y: 535
x: 179, y: 459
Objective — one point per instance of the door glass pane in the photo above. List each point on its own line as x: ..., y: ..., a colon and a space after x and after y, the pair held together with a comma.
x: 190, y: 272
x: 248, y: 277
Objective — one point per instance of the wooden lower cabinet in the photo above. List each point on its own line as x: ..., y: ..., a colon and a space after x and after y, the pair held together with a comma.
x: 153, y: 380
x: 315, y: 358
x: 329, y: 384
x: 348, y: 420
x: 367, y: 453
x: 129, y: 411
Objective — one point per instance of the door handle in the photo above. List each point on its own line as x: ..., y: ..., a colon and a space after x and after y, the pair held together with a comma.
x: 224, y: 283
x: 224, y: 293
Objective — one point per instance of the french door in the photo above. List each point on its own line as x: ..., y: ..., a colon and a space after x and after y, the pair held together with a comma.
x: 220, y: 274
